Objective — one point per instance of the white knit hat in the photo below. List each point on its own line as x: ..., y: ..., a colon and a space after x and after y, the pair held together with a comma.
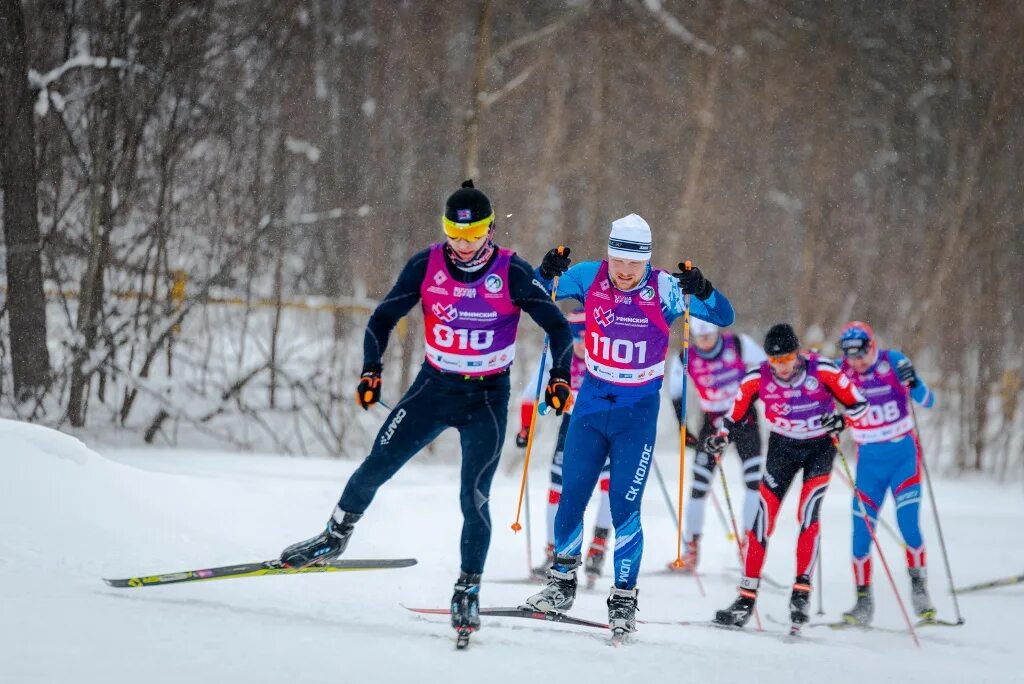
x: 630, y: 239
x: 702, y: 327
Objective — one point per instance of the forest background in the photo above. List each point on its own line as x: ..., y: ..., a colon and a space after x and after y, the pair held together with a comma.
x: 203, y: 200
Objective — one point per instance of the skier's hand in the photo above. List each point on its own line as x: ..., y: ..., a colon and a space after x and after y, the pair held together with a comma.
x: 716, y: 443
x: 522, y: 436
x: 558, y: 393
x: 692, y: 281
x: 834, y: 423
x: 908, y: 376
x: 368, y: 391
x: 555, y: 263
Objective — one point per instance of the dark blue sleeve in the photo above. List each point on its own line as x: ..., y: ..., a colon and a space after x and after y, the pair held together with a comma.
x: 529, y: 295
x: 403, y: 296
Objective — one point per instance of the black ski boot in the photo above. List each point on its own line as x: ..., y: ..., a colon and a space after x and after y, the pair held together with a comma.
x: 466, y: 607
x: 595, y: 555
x: 560, y: 592
x: 863, y: 612
x: 919, y: 594
x: 622, y: 611
x: 738, y: 614
x: 325, y: 546
x: 800, y: 601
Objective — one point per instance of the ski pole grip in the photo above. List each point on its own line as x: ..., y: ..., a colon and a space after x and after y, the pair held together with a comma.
x: 688, y: 265
x: 561, y: 250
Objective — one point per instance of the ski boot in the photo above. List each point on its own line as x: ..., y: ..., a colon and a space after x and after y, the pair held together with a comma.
x: 466, y: 607
x: 622, y: 611
x: 560, y: 592
x: 863, y: 611
x: 595, y: 555
x: 738, y: 614
x: 800, y: 603
x: 325, y: 546
x: 541, y: 571
x: 919, y: 594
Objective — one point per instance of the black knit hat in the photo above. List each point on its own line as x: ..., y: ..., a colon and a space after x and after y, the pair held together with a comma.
x: 781, y: 339
x: 467, y: 205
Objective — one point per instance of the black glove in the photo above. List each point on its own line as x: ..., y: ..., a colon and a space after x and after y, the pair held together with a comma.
x: 833, y: 422
x: 692, y: 281
x: 368, y: 391
x: 691, y: 439
x: 555, y: 264
x: 522, y: 437
x: 716, y: 443
x: 558, y: 393
x: 908, y: 376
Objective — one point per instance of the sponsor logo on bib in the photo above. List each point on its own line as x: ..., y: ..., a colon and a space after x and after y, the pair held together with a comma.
x: 494, y: 283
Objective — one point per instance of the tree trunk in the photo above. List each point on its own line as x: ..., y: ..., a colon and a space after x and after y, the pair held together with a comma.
x: 26, y: 304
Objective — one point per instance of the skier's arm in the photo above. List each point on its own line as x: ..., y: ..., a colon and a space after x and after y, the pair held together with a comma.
x: 403, y: 296
x: 715, y: 309
x: 919, y: 391
x: 845, y: 392
x: 574, y: 283
x: 529, y: 295
x: 749, y: 387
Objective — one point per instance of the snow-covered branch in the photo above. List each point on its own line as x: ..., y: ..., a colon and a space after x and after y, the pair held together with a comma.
x: 676, y: 28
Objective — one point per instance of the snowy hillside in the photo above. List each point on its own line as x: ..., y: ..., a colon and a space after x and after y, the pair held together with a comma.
x: 69, y: 516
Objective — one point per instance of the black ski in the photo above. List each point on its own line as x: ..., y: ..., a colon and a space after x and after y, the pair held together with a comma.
x: 518, y: 613
x: 257, y: 569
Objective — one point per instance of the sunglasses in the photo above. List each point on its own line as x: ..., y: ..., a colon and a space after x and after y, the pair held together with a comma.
x: 782, y: 358
x: 855, y: 352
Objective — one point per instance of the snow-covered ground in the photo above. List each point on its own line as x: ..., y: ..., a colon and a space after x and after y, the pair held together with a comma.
x: 69, y: 516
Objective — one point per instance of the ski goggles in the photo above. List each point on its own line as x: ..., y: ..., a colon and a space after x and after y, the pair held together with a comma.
x: 855, y: 348
x: 782, y: 358
x: 467, y: 231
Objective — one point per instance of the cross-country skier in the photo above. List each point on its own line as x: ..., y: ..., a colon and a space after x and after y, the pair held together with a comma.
x: 799, y: 392
x: 472, y: 292
x: 599, y: 544
x: 718, y: 363
x: 888, y: 458
x: 629, y: 307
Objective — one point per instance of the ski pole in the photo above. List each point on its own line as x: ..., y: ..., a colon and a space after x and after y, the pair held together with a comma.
x: 664, y: 491
x: 735, y: 529
x: 672, y: 514
x: 721, y: 515
x: 935, y: 510
x: 678, y: 562
x: 533, y: 420
x: 871, y: 531
x: 821, y: 582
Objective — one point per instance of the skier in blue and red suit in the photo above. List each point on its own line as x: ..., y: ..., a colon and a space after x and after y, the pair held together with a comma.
x: 472, y: 292
x: 629, y: 308
x: 888, y: 458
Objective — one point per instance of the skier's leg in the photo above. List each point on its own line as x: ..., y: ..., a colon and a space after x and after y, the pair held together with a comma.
x: 817, y: 468
x: 703, y: 478
x: 781, y: 467
x: 906, y: 492
x: 586, y: 448
x: 412, y: 424
x: 747, y: 438
x: 872, y: 479
x: 632, y: 432
x: 482, y: 435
